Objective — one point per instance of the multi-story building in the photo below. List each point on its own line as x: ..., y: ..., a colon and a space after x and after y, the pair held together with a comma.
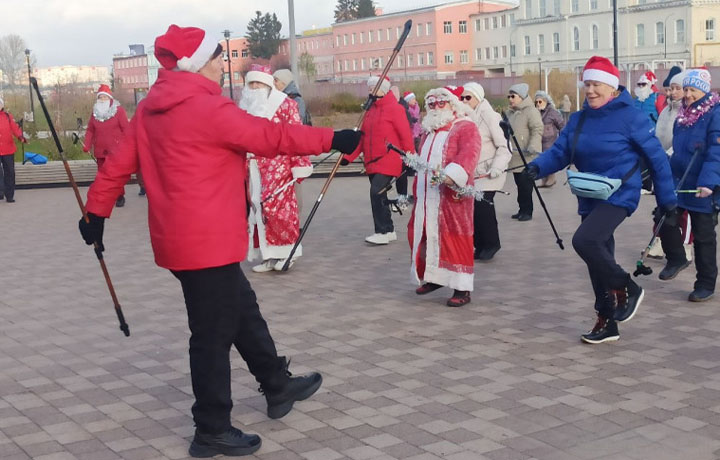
x: 318, y: 43
x: 130, y: 75
x: 559, y: 34
x: 238, y: 62
x: 86, y: 76
x: 439, y: 44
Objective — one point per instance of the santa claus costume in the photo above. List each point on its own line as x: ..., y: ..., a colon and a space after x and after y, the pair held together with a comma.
x: 440, y: 230
x: 274, y: 220
x: 649, y: 99
x: 106, y: 128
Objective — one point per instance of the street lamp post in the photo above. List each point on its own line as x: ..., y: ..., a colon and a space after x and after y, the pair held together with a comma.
x: 540, y: 73
x: 227, y: 33
x: 665, y: 37
x: 32, y: 105
x: 615, y: 34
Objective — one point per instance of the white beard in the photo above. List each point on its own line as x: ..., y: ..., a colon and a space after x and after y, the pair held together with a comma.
x: 255, y: 101
x: 643, y: 92
x: 104, y: 110
x: 436, y: 119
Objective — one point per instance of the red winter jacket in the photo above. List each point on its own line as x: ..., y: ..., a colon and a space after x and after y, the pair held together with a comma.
x: 191, y: 145
x: 386, y: 121
x: 8, y: 129
x: 104, y: 136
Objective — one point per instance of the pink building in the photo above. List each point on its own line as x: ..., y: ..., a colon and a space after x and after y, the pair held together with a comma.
x: 130, y: 77
x: 318, y: 44
x: 438, y: 46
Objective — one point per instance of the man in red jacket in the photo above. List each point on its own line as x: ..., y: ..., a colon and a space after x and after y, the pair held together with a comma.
x: 106, y: 129
x: 385, y: 122
x: 8, y: 129
x: 186, y: 136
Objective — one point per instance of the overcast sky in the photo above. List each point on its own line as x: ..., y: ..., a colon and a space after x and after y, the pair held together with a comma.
x: 77, y: 32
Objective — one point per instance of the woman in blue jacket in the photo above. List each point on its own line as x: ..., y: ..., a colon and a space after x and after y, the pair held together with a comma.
x: 608, y: 137
x: 696, y: 145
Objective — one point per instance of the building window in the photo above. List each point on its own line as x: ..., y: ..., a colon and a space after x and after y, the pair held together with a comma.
x: 541, y: 44
x: 496, y: 52
x: 410, y: 60
x: 543, y: 8
x: 379, y: 35
x: 556, y: 7
x: 478, y: 24
x: 593, y: 5
x: 528, y: 9
x: 428, y: 28
x: 463, y: 57
x: 512, y: 50
x: 449, y: 58
x: 352, y: 39
x: 387, y: 33
x: 512, y: 19
x: 556, y: 42
x: 462, y: 27
x: 347, y: 65
x: 659, y: 33
x: 494, y: 22
x: 399, y: 62
x: 362, y: 37
x: 527, y: 45
x: 595, y: 38
x: 362, y: 62
x: 354, y: 65
x: 640, y: 35
x: 370, y: 36
x: 234, y: 53
x: 574, y: 7
x: 486, y: 21
x: 487, y: 53
x: 504, y: 51
x: 478, y: 54
x: 710, y: 29
x: 431, y: 58
x: 421, y: 59
x: 680, y: 31
x: 503, y: 21
x: 447, y: 27
x: 397, y: 32
x: 419, y: 29
x: 576, y: 39
x: 379, y: 62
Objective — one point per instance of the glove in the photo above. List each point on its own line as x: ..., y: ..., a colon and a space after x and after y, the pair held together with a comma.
x: 92, y: 231
x: 494, y: 173
x: 505, y: 126
x: 346, y: 140
x: 671, y: 215
x: 531, y: 172
x: 344, y: 162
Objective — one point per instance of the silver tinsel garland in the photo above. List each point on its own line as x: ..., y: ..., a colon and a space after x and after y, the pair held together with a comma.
x: 438, y: 176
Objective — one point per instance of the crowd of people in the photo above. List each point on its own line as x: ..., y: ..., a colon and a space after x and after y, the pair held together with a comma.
x: 244, y: 161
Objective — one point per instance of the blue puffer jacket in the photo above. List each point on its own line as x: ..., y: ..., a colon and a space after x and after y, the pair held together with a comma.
x: 611, y: 142
x: 704, y: 135
x: 649, y: 107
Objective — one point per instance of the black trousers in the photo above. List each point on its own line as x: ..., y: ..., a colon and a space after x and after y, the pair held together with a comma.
x: 525, y: 191
x: 379, y: 203
x: 704, y: 243
x: 401, y: 185
x: 222, y: 312
x: 595, y: 244
x: 485, y: 231
x: 7, y: 174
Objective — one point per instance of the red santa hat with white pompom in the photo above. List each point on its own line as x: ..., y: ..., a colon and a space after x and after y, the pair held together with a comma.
x: 384, y: 86
x: 184, y: 48
x: 601, y: 69
x: 648, y: 77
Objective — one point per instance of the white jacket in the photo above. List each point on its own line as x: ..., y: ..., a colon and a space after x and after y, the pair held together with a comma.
x: 665, y: 123
x: 494, y: 152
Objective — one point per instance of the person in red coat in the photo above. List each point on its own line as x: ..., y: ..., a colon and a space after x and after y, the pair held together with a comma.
x: 191, y: 144
x: 384, y: 122
x: 8, y: 129
x: 106, y: 129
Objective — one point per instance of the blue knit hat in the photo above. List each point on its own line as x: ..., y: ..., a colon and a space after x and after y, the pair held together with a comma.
x: 673, y: 71
x: 697, y: 78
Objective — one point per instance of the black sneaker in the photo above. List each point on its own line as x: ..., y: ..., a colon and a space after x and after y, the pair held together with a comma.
x: 628, y: 301
x: 515, y: 216
x: 281, y: 401
x: 233, y: 443
x: 671, y: 270
x: 524, y: 217
x: 10, y: 200
x: 701, y: 295
x: 120, y: 202
x: 142, y: 191
x: 604, y: 331
x: 486, y: 255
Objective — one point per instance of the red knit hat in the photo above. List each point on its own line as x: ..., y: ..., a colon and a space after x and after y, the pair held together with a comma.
x: 184, y: 48
x: 455, y: 91
x: 105, y: 89
x: 601, y: 69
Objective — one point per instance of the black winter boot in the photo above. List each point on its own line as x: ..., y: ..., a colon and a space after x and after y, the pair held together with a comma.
x: 282, y: 392
x: 233, y: 443
x: 605, y: 330
x: 671, y: 270
x: 628, y: 301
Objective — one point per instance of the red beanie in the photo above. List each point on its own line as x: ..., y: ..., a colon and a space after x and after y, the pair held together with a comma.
x: 601, y: 69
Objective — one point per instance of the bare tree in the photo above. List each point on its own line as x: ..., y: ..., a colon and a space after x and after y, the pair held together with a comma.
x: 12, y: 58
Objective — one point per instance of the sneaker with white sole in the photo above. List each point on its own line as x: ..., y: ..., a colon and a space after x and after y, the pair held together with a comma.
x: 378, y: 238
x: 391, y: 236
x: 266, y: 266
x: 279, y: 264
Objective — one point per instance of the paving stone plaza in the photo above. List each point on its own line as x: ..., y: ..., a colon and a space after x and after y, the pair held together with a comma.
x: 405, y: 377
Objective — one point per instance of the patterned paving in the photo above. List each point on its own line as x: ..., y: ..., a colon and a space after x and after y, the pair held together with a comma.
x: 405, y: 377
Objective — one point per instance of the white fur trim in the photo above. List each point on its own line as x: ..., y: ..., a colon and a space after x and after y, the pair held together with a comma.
x: 456, y: 172
x: 409, y: 97
x: 301, y: 172
x: 262, y: 77
x: 602, y: 77
x: 106, y: 94
x: 200, y: 57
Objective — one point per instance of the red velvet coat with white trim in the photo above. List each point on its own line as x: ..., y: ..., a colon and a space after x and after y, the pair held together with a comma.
x: 104, y: 137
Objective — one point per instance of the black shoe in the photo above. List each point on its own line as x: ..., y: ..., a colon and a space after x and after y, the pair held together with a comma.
x: 486, y: 255
x: 281, y: 401
x: 628, y: 301
x: 10, y: 200
x: 142, y: 191
x: 524, y: 217
x: 459, y: 299
x: 701, y: 295
x: 427, y: 288
x: 604, y: 331
x: 232, y: 443
x: 671, y: 270
x: 515, y: 216
x: 120, y: 202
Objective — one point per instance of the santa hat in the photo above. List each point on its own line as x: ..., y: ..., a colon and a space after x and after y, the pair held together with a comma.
x: 184, y: 48
x: 104, y: 90
x: 259, y: 73
x: 697, y: 78
x: 449, y: 94
x: 601, y: 69
x: 648, y: 78
x: 384, y: 86
x: 408, y: 96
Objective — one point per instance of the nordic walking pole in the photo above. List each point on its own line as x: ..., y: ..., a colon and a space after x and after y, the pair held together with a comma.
x: 366, y: 106
x: 511, y: 134
x: 118, y: 310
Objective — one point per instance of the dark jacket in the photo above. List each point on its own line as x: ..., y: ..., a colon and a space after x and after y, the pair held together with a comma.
x: 612, y: 141
x: 553, y: 123
x: 293, y: 93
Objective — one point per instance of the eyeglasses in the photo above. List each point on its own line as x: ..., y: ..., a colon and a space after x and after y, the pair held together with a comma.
x: 642, y: 84
x: 466, y: 98
x: 510, y: 96
x: 438, y: 104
